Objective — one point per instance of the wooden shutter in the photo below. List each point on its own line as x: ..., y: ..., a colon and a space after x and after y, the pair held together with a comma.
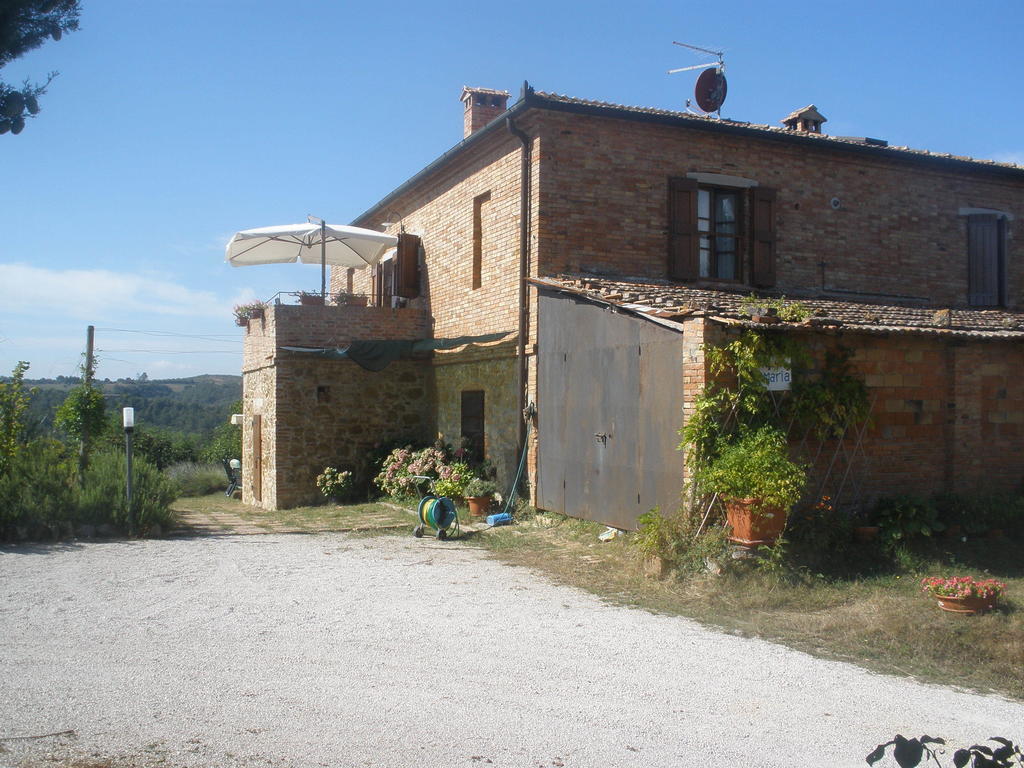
x: 407, y: 266
x: 983, y: 267
x: 762, y: 237
x: 257, y: 457
x: 683, y: 239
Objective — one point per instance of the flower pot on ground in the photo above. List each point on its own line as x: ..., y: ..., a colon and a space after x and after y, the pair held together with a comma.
x: 962, y: 594
x: 757, y: 482
x: 752, y: 523
x: 479, y: 493
x: 865, y: 533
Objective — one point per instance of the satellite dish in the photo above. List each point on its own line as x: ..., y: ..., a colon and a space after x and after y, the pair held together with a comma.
x: 711, y: 89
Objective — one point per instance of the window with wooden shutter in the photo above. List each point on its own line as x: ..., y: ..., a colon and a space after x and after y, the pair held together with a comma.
x: 383, y: 283
x: 407, y: 266
x: 762, y: 237
x: 986, y: 284
x: 684, y: 254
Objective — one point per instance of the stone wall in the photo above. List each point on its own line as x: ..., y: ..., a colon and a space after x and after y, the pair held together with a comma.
x: 334, y: 413
x: 495, y: 374
x: 316, y: 412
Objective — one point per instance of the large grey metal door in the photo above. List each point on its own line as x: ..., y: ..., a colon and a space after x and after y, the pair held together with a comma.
x: 610, y: 405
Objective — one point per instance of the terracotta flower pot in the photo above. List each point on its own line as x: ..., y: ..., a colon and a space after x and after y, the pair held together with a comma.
x: 865, y: 533
x: 311, y: 300
x: 967, y: 605
x: 750, y: 528
x: 479, y: 506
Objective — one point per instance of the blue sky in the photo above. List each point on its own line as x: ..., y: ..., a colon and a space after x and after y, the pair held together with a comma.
x: 175, y: 123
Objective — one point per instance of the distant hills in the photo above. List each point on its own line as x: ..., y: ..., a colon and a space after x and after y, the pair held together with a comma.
x: 192, y: 406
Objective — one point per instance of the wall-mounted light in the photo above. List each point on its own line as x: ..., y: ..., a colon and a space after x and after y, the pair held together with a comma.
x: 128, y: 420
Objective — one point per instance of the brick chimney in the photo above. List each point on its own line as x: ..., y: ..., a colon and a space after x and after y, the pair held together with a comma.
x: 808, y: 119
x: 482, y: 106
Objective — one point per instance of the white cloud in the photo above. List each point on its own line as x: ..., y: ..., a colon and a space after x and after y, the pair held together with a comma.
x: 98, y: 293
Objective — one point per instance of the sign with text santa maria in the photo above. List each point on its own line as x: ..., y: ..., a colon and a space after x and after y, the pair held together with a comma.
x: 777, y: 378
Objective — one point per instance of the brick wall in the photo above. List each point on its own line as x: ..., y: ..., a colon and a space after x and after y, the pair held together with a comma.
x: 604, y: 206
x: 948, y: 415
x: 440, y: 211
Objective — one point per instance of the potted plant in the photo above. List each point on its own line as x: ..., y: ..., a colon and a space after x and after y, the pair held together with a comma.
x: 334, y: 484
x: 311, y: 299
x: 478, y: 493
x: 246, y: 312
x: 758, y: 483
x: 865, y: 526
x: 962, y: 594
x: 345, y: 299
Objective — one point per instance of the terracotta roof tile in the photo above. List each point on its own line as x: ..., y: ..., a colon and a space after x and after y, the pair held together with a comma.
x: 667, y: 300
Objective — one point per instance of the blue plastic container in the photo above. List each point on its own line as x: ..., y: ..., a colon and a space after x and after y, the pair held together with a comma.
x: 502, y: 518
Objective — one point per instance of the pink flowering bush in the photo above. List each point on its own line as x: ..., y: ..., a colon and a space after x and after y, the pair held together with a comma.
x: 396, y: 477
x: 962, y: 586
x: 453, y: 479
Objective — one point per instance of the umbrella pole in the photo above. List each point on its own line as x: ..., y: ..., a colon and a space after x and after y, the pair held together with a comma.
x: 323, y: 260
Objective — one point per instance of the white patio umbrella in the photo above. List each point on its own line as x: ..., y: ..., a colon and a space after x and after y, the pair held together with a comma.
x: 310, y: 243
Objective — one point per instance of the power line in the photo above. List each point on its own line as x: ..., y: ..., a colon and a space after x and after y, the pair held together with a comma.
x: 221, y: 337
x: 177, y: 351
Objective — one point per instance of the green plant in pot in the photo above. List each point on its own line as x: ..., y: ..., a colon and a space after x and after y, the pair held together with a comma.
x: 479, y: 493
x: 757, y: 482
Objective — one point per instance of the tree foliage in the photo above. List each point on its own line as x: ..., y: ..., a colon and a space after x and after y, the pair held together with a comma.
x: 14, y: 401
x: 82, y: 415
x: 24, y: 26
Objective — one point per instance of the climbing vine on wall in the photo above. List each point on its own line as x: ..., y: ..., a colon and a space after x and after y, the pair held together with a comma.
x: 735, y: 401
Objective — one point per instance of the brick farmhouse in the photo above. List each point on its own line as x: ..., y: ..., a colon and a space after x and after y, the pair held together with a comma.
x: 611, y: 243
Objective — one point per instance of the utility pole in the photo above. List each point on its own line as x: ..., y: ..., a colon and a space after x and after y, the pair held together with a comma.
x: 90, y: 333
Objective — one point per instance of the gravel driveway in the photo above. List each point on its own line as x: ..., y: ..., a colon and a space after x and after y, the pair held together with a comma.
x: 293, y: 650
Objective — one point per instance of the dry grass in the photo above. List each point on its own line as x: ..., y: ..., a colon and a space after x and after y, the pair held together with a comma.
x: 372, y: 518
x: 882, y: 622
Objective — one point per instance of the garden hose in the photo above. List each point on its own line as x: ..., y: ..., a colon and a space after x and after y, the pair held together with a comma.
x: 519, y: 473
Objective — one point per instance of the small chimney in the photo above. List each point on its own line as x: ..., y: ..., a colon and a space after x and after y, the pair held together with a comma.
x: 808, y: 120
x: 482, y: 106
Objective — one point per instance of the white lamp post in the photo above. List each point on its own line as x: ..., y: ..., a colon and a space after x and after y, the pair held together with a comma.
x: 128, y: 419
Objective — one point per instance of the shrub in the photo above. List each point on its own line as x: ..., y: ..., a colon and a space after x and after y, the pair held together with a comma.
x: 906, y: 517
x: 679, y: 539
x: 102, y: 498
x: 193, y: 479
x: 38, y: 487
x: 334, y: 483
x: 396, y: 477
x: 453, y: 479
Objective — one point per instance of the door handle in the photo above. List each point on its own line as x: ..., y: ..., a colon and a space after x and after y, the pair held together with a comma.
x: 601, y: 437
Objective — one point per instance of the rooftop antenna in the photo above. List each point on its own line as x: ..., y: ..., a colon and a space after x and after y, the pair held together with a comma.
x: 711, y: 85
